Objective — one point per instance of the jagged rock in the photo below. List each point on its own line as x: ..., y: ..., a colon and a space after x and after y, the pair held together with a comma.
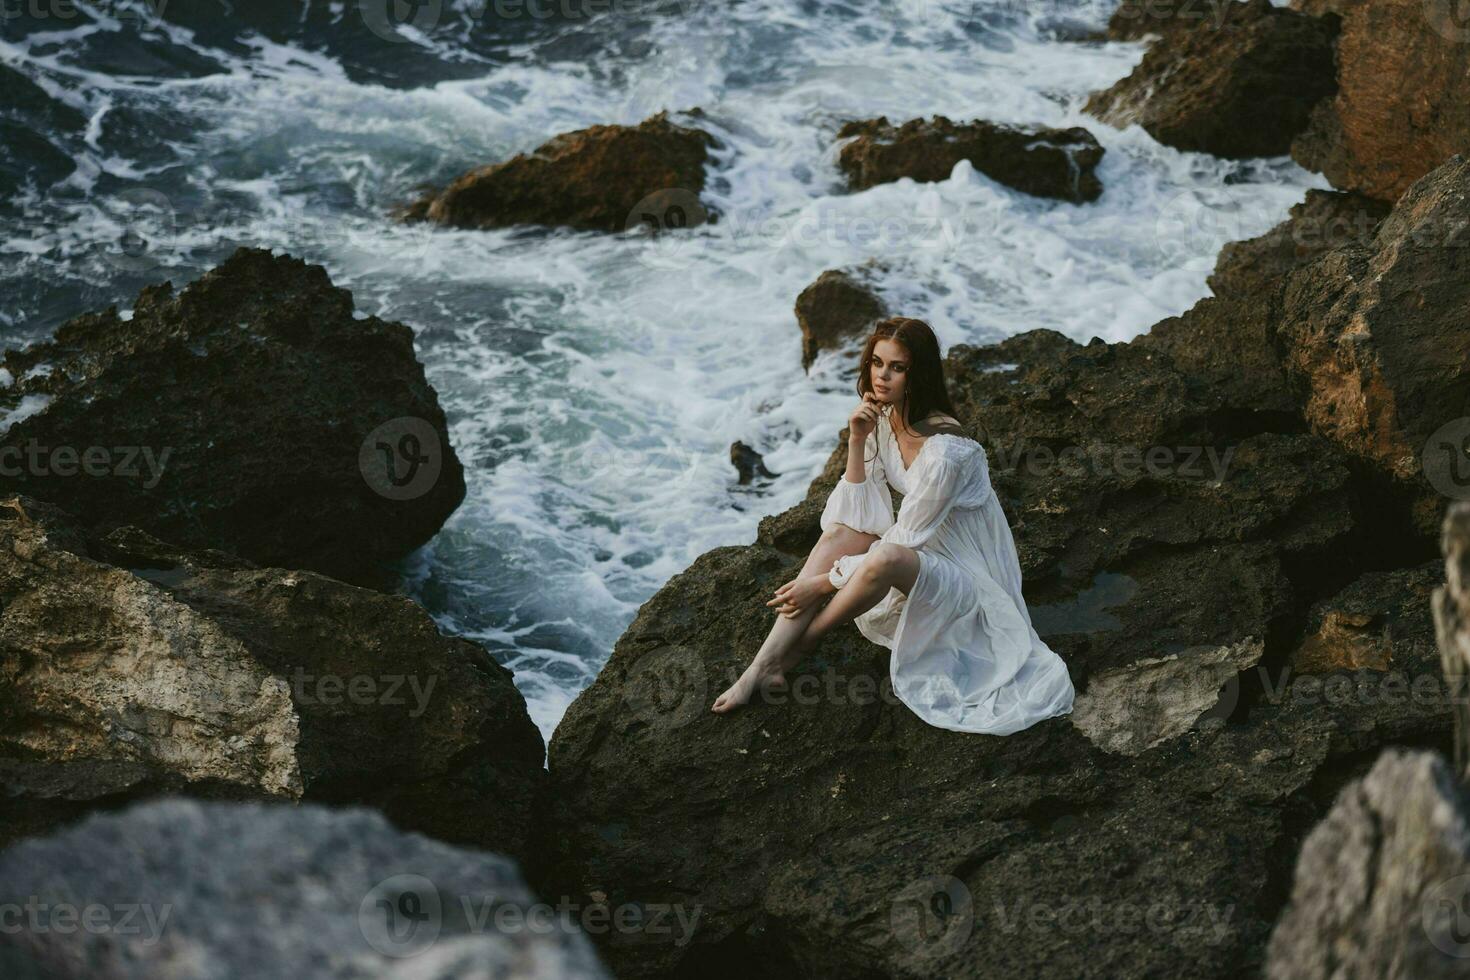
x: 1374, y: 336
x: 1382, y: 883
x: 1243, y: 88
x: 246, y: 413
x: 1379, y: 622
x: 748, y: 463
x: 1133, y: 20
x: 233, y: 890
x: 1131, y: 709
x: 1325, y: 220
x: 834, y: 310
x: 593, y: 179
x: 1059, y: 163
x: 1402, y: 105
x: 133, y: 668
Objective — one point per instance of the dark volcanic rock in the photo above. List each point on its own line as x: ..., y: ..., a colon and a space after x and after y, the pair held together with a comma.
x: 1325, y: 220
x: 748, y: 463
x: 1403, y: 96
x: 248, y: 413
x: 1374, y: 334
x: 1056, y: 163
x: 1243, y: 88
x: 236, y: 890
x: 1184, y: 777
x: 592, y: 178
x: 131, y: 668
x: 835, y: 309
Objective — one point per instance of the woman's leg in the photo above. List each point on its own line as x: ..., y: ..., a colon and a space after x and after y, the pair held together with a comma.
x: 887, y: 566
x: 785, y: 632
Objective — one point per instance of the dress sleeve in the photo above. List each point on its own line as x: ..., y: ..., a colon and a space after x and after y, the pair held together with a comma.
x: 866, y: 506
x: 928, y: 503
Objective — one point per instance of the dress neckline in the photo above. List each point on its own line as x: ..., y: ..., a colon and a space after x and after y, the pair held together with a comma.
x: 908, y: 468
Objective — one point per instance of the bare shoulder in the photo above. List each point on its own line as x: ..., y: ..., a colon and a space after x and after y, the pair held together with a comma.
x: 939, y: 423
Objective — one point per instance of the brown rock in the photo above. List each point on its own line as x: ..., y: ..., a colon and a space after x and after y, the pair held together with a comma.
x: 1403, y: 97
x: 1243, y: 88
x: 1057, y: 163
x: 592, y: 178
x: 834, y: 310
x: 1374, y: 335
x: 1380, y: 622
x: 1323, y: 221
x: 134, y: 668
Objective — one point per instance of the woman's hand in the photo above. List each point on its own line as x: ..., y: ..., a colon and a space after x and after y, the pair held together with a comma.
x: 796, y: 596
x: 864, y: 418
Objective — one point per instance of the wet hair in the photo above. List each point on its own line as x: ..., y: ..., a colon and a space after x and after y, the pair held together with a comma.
x: 924, y: 390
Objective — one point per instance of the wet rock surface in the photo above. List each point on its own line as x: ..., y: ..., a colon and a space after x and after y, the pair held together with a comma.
x: 1241, y: 84
x: 840, y: 307
x: 592, y: 179
x: 252, y: 412
x: 1057, y: 163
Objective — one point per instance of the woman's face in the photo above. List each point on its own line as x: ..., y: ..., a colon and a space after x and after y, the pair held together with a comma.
x: 889, y: 371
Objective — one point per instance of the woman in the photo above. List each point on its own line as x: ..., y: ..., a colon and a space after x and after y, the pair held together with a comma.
x: 940, y: 586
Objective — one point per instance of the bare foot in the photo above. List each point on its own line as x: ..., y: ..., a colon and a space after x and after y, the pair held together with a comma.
x: 757, y: 676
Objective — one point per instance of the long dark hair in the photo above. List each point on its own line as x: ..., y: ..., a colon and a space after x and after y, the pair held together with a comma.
x: 924, y: 390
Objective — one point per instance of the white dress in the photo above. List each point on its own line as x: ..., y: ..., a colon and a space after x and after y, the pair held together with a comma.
x: 964, y: 654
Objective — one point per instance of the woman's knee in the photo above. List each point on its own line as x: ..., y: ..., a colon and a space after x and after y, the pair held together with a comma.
x: 886, y: 561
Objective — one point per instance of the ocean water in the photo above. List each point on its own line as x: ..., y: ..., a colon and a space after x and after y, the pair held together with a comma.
x: 594, y: 383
